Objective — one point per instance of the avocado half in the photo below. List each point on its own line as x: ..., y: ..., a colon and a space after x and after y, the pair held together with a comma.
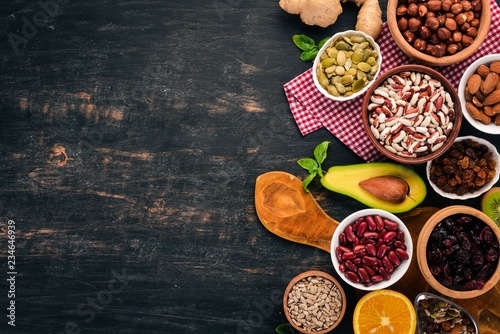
x: 345, y: 180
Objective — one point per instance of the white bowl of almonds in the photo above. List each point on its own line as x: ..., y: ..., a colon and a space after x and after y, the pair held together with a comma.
x: 347, y: 65
x: 314, y: 302
x: 479, y: 93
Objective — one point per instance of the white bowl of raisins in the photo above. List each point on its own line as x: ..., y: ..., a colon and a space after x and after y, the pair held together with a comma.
x: 458, y: 250
x: 468, y: 169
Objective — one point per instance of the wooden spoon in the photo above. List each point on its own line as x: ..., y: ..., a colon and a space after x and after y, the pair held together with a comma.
x: 286, y: 210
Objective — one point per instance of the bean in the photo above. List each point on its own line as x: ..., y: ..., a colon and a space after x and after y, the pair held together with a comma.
x: 370, y: 235
x: 396, y: 261
x: 348, y: 256
x: 380, y: 222
x: 389, y: 237
x: 369, y: 260
x: 402, y: 254
x: 371, y: 249
x: 390, y: 225
x: 350, y: 234
x: 342, y: 239
x: 358, y: 248
x: 372, y: 225
x: 399, y: 244
x: 388, y: 266
x: 381, y: 251
x: 349, y: 265
x: 352, y: 276
x: 376, y: 278
x: 361, y: 229
x: 363, y: 275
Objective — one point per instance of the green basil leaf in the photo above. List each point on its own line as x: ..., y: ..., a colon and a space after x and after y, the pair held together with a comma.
x: 309, y: 55
x: 303, y: 42
x: 322, y: 42
x: 308, y: 180
x: 320, y: 152
x: 307, y: 163
x: 285, y: 328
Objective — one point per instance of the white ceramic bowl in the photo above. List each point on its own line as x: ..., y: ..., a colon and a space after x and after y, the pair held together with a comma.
x: 490, y: 128
x: 479, y: 192
x: 317, y: 60
x: 398, y: 272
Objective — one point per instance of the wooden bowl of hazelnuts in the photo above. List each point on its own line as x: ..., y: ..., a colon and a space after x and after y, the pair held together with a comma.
x: 438, y: 32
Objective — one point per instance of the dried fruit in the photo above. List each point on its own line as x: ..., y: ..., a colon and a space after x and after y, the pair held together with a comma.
x: 388, y: 188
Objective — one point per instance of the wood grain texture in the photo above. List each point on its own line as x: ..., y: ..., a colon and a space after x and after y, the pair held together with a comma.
x: 131, y: 135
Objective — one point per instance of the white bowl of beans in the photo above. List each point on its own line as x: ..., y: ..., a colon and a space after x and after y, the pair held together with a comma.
x: 454, y: 176
x: 371, y: 249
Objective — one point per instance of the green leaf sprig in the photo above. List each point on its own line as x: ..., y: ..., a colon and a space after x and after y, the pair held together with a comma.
x: 313, y: 166
x: 286, y: 328
x: 308, y: 46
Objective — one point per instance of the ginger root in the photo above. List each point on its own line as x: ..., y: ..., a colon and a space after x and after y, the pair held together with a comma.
x: 324, y: 13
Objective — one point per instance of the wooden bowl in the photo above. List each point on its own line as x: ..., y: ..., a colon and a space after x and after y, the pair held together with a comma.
x: 367, y: 103
x: 427, y: 59
x: 421, y: 251
x: 313, y: 274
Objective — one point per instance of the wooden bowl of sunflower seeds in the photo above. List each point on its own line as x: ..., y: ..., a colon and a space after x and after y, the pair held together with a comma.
x: 314, y: 302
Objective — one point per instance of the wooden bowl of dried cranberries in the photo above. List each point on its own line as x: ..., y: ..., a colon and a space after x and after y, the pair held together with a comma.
x: 457, y: 252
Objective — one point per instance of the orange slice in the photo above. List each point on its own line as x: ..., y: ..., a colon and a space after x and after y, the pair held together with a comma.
x: 384, y: 312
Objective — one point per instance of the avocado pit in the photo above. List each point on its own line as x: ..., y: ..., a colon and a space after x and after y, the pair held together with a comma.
x: 387, y: 188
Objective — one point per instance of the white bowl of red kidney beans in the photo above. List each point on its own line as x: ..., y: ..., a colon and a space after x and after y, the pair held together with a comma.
x: 468, y: 169
x: 457, y: 252
x: 371, y: 249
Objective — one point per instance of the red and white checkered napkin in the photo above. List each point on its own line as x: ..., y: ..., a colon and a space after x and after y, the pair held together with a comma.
x: 313, y: 111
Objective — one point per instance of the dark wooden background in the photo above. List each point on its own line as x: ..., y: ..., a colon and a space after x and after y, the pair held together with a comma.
x: 131, y: 135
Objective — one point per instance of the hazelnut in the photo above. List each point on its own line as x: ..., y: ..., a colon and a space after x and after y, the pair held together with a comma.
x: 420, y: 44
x: 472, y: 32
x: 446, y: 5
x: 424, y: 32
x: 467, y: 40
x: 441, y: 19
x: 434, y: 39
x: 456, y: 36
x: 460, y: 18
x: 432, y: 23
x: 409, y: 36
x: 412, y: 10
x: 452, y: 48
x: 469, y: 15
x: 414, y: 24
x: 401, y: 10
x: 450, y: 24
x: 464, y: 27
x: 476, y: 5
x: 466, y: 5
x: 422, y: 10
x: 474, y: 23
x: 444, y: 34
x: 403, y: 24
x: 438, y: 50
x: 434, y: 5
x: 456, y: 8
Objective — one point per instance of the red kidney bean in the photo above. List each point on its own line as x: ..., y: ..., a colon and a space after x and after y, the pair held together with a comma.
x: 369, y: 270
x: 343, y: 249
x: 382, y: 250
x: 370, y: 235
x: 351, y: 266
x: 363, y: 275
x: 389, y: 237
x: 377, y: 278
x: 388, y: 266
x: 380, y: 222
x: 358, y: 248
x: 367, y: 241
x: 355, y: 226
x: 352, y: 276
x: 384, y: 273
x: 390, y: 225
x: 372, y: 225
x: 371, y: 249
x: 399, y: 244
x: 402, y: 254
x: 342, y: 239
x: 342, y: 267
x: 401, y: 236
x: 350, y: 234
x: 361, y: 229
x: 348, y: 256
x: 396, y: 261
x: 356, y: 261
x: 370, y: 260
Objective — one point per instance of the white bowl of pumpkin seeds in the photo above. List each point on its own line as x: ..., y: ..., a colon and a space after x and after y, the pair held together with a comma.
x: 346, y: 65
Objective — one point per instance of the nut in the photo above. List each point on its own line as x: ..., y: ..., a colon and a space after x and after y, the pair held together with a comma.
x: 492, y: 98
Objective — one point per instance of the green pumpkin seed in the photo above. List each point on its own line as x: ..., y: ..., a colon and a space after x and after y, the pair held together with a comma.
x: 341, y: 58
x: 332, y: 90
x: 342, y: 46
x: 340, y: 87
x: 330, y: 70
x: 352, y: 71
x: 371, y: 60
x: 327, y: 62
x: 374, y: 69
x: 347, y: 39
x: 332, y: 52
x: 339, y: 70
x: 358, y: 85
x: 357, y: 56
x: 365, y: 67
x: 323, y: 80
x: 361, y: 75
x: 347, y: 80
x: 357, y: 39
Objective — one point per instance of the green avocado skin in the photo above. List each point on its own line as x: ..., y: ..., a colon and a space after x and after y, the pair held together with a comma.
x: 345, y: 180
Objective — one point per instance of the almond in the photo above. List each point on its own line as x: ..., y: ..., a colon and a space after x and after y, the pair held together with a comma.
x: 495, y: 67
x: 477, y: 114
x: 491, y: 82
x: 483, y: 70
x: 474, y: 83
x: 492, y: 98
x: 496, y: 108
x: 497, y: 119
x: 488, y: 111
